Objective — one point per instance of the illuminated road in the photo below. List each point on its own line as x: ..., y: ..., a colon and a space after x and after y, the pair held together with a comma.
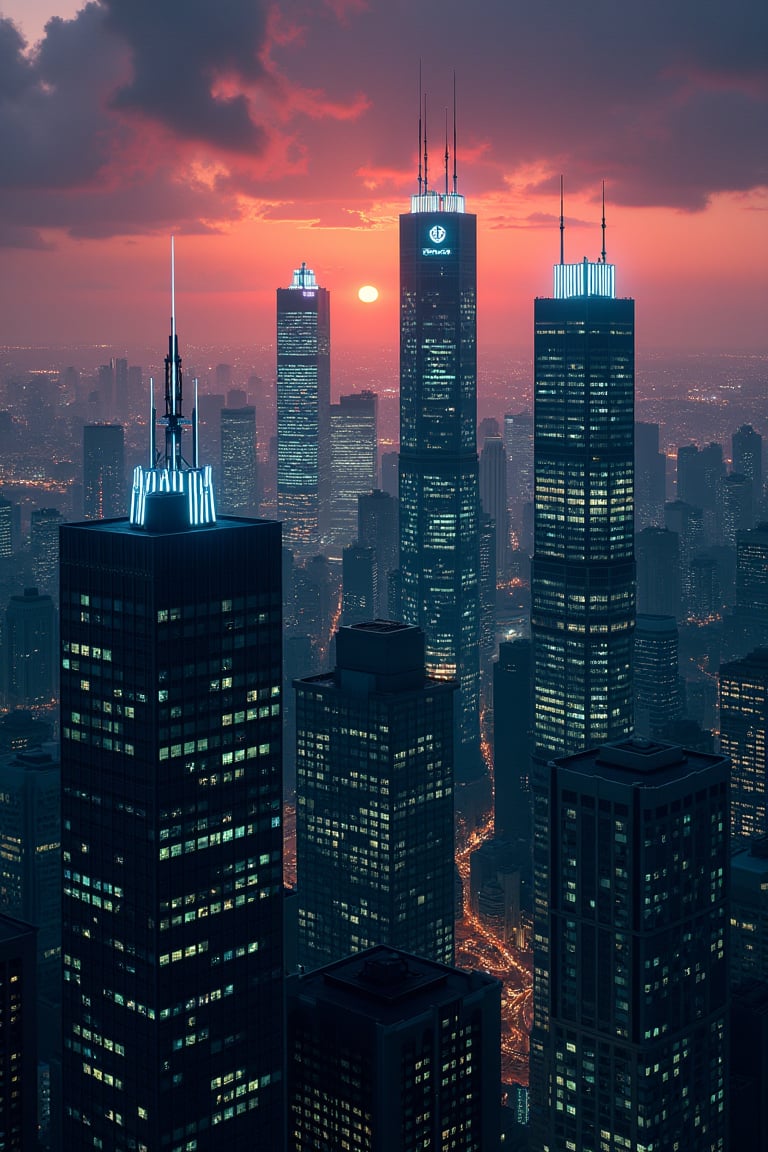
x: 476, y: 947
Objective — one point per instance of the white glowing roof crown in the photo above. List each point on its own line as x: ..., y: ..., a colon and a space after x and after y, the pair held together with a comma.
x: 585, y: 279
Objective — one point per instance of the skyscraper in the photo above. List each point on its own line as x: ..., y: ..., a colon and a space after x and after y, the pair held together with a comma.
x: 518, y: 442
x: 303, y: 401
x: 659, y: 588
x: 354, y: 460
x: 30, y: 649
x: 751, y: 612
x: 103, y: 471
x: 650, y: 477
x: 583, y: 570
x: 18, y: 1058
x: 439, y: 501
x: 239, y: 468
x: 172, y: 840
x: 747, y: 457
x: 44, y: 545
x: 512, y: 724
x: 359, y: 583
x: 388, y: 1052
x: 374, y: 790
x: 493, y: 496
x: 744, y: 737
x: 629, y: 1042
x: 656, y: 675
x: 377, y: 529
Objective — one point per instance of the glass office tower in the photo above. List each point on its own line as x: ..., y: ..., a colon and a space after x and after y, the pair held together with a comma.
x: 303, y: 406
x: 439, y: 501
x: 171, y: 817
x: 583, y: 569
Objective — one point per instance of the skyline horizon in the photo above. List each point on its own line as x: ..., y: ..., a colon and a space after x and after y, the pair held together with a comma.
x: 283, y: 138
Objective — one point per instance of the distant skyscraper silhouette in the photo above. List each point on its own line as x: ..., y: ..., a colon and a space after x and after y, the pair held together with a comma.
x: 439, y: 502
x: 30, y: 650
x: 751, y: 612
x: 583, y: 571
x: 303, y: 401
x: 172, y: 839
x: 375, y: 800
x: 103, y: 471
x: 518, y: 441
x: 650, y: 477
x: 747, y: 457
x: 656, y: 675
x: 359, y: 584
x: 734, y: 503
x: 239, y: 467
x: 354, y: 460
x: 659, y: 588
x: 377, y: 529
x: 512, y: 740
x: 493, y: 496
x: 628, y: 1049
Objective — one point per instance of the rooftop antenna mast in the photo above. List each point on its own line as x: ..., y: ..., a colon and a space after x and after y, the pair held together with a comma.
x: 446, y: 151
x: 455, y: 174
x: 173, y: 383
x: 426, y: 184
x: 602, y: 255
x: 562, y: 224
x: 419, y: 127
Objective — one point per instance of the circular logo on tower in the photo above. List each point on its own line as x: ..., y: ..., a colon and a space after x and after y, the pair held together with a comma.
x: 437, y: 233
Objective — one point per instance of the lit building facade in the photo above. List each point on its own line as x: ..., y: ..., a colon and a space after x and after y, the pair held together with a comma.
x: 629, y: 1040
x: 239, y: 463
x: 743, y: 734
x: 439, y: 498
x: 18, y: 1051
x: 354, y: 460
x: 583, y: 569
x: 749, y: 913
x: 374, y: 787
x: 303, y: 403
x: 171, y: 818
x: 389, y: 1051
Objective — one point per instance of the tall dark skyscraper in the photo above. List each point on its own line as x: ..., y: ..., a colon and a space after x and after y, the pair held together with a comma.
x: 393, y: 1053
x: 656, y: 675
x: 629, y: 1041
x: 377, y: 529
x: 18, y: 1057
x: 583, y: 569
x: 512, y: 724
x: 30, y: 650
x: 171, y: 812
x: 439, y: 500
x: 103, y: 471
x: 374, y: 833
x: 303, y: 403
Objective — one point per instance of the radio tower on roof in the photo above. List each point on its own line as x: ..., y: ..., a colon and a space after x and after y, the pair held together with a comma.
x: 170, y: 472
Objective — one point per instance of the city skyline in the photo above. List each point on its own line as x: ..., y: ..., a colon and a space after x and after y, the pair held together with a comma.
x: 291, y: 157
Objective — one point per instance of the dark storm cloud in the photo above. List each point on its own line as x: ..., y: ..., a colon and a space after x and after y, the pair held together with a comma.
x: 140, y: 113
x: 181, y: 52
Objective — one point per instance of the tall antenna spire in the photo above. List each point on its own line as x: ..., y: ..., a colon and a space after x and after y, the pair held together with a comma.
x: 419, y: 127
x: 562, y: 224
x: 173, y: 384
x: 426, y: 183
x: 446, y: 151
x: 602, y: 255
x: 455, y: 175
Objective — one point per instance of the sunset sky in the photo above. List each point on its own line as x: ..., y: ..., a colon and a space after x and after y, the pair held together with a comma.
x: 265, y: 134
